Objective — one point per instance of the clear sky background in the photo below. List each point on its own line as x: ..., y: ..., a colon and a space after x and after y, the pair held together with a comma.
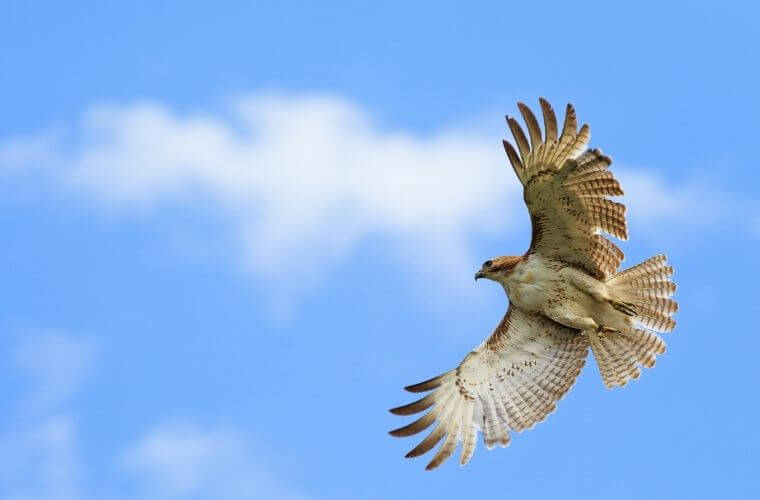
x: 232, y: 233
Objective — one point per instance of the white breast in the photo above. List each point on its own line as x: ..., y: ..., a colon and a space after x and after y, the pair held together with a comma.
x: 530, y: 283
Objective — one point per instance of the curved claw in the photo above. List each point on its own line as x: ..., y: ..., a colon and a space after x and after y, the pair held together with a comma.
x: 602, y: 329
x: 624, y: 307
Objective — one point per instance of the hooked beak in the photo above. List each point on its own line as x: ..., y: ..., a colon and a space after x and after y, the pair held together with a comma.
x: 479, y: 274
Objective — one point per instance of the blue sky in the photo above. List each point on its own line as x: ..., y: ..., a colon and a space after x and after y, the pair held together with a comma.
x: 233, y: 233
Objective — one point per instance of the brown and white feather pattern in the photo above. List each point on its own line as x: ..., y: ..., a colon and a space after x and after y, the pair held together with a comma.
x: 510, y: 382
x: 648, y: 286
x: 566, y: 189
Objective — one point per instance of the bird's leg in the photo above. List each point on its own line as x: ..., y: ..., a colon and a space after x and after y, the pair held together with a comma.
x: 585, y: 324
x: 587, y: 284
x: 626, y: 308
x: 599, y: 291
x: 602, y: 330
x: 564, y: 316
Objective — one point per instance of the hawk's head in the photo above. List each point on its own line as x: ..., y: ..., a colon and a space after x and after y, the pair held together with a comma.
x: 498, y: 267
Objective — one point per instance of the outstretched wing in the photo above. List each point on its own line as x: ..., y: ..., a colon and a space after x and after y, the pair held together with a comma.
x: 566, y: 189
x: 510, y: 381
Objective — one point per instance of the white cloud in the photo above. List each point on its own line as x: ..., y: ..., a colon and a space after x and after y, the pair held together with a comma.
x: 303, y: 180
x: 182, y: 460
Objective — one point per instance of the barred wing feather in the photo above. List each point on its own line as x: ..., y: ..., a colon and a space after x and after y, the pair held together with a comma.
x: 509, y: 382
x: 566, y: 189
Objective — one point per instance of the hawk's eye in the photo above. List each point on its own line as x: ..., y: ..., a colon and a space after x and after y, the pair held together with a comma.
x: 487, y: 263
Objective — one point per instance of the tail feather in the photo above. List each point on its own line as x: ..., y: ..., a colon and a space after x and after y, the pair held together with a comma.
x: 653, y: 319
x: 647, y: 345
x: 654, y: 266
x: 662, y: 306
x: 614, y: 357
x: 649, y: 288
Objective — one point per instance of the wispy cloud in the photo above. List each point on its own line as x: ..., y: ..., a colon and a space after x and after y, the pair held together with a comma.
x: 40, y: 461
x: 303, y: 180
x: 651, y: 199
x: 181, y: 460
x: 39, y: 458
x: 56, y: 363
x: 29, y: 152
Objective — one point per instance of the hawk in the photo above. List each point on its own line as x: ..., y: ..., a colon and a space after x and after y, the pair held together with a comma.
x: 565, y: 294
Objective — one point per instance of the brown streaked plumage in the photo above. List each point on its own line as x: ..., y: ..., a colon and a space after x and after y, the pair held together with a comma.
x: 565, y: 295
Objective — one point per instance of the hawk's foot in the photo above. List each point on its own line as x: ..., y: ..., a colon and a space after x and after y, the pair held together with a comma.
x: 602, y: 329
x: 624, y: 307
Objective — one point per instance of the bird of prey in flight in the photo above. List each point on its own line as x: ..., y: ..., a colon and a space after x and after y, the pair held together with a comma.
x: 565, y: 294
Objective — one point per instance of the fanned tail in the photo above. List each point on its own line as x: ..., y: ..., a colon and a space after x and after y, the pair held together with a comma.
x: 648, y: 288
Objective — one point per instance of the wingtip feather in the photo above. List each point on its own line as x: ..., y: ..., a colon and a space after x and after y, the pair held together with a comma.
x: 415, y: 427
x: 415, y: 406
x: 550, y: 120
x: 426, y: 385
